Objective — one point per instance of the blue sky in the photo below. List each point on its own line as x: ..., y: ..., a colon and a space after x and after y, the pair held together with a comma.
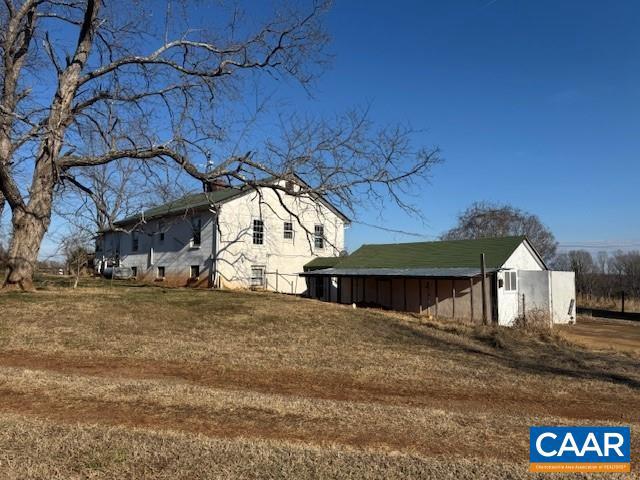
x: 532, y: 103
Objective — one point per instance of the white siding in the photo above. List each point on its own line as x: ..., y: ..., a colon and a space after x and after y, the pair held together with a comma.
x: 175, y: 253
x: 522, y: 258
x: 237, y: 252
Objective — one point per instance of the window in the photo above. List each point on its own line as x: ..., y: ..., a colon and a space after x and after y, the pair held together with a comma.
x: 161, y: 231
x: 134, y: 272
x: 196, y: 227
x: 160, y: 274
x: 194, y: 272
x: 257, y: 276
x: 318, y: 236
x: 510, y: 281
x: 258, y: 232
x: 135, y: 241
x: 288, y: 231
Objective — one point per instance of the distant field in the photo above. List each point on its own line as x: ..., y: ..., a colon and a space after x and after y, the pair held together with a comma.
x: 121, y: 381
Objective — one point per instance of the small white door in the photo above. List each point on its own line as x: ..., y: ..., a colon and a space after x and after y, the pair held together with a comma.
x: 507, y: 297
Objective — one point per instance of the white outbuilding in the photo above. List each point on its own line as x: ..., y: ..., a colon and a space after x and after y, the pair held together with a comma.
x: 445, y: 279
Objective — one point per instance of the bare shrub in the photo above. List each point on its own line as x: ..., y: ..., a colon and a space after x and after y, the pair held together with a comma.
x: 534, y: 320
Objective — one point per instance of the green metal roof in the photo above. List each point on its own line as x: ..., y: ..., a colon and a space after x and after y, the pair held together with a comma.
x: 444, y: 254
x: 321, y: 262
x: 192, y: 201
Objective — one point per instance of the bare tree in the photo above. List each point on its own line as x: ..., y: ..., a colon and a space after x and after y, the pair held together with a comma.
x: 76, y: 248
x: 482, y: 220
x: 581, y: 262
x: 92, y: 198
x: 123, y: 88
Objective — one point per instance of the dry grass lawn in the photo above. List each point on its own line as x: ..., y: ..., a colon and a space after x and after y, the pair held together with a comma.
x: 144, y: 382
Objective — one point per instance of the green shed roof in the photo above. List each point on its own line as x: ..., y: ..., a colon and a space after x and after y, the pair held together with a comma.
x: 321, y: 262
x: 192, y: 201
x: 444, y: 254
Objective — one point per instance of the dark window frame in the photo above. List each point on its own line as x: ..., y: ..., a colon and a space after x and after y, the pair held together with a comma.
x: 318, y: 237
x: 135, y: 242
x: 160, y: 269
x: 196, y: 231
x: 288, y: 231
x: 258, y: 231
x: 263, y: 276
x: 195, y: 268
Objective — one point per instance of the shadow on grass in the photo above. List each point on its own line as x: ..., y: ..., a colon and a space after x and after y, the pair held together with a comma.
x: 542, y: 354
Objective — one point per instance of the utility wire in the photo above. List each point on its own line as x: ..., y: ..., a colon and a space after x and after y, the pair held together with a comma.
x: 393, y: 230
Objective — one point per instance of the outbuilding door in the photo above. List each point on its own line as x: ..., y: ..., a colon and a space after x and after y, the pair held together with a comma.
x: 508, y: 284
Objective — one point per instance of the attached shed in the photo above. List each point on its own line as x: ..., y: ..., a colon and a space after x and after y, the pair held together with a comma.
x: 445, y: 279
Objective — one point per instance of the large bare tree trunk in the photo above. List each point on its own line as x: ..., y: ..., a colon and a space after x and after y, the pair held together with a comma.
x: 28, y: 232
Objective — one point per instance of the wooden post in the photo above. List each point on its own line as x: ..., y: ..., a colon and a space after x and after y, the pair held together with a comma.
x: 277, y: 280
x: 471, y: 295
x: 623, y: 301
x: 339, y: 290
x: 484, y: 289
x: 453, y: 298
x: 351, y: 291
x: 436, y: 298
x: 524, y: 309
x: 404, y: 287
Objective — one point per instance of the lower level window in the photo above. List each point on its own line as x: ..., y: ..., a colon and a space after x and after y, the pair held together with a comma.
x: 257, y: 276
x: 194, y: 272
x: 160, y: 272
x: 134, y: 272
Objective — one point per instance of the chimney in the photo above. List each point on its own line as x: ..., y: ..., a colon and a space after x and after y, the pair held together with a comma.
x: 215, y: 185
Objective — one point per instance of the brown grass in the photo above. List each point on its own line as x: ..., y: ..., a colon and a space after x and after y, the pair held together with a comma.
x: 146, y: 382
x: 631, y: 304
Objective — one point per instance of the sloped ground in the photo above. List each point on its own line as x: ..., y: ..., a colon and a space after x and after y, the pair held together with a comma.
x: 144, y: 382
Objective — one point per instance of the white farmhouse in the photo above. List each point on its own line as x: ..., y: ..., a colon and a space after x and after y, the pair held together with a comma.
x: 227, y: 237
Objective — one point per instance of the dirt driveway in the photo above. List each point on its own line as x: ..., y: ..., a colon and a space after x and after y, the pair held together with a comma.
x: 601, y: 333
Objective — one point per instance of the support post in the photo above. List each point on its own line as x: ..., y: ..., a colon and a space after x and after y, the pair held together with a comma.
x: 436, y: 298
x: 277, y: 280
x: 453, y: 298
x: 351, y: 295
x: 471, y: 296
x: 404, y: 287
x: 484, y: 288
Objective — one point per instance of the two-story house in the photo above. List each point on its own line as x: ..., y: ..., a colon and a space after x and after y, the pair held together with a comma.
x: 227, y: 237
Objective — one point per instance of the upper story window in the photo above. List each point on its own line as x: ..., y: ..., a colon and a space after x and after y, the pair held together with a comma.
x: 161, y: 228
x: 510, y: 281
x: 258, y: 232
x: 288, y: 230
x: 196, y: 227
x: 318, y: 236
x: 135, y: 241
